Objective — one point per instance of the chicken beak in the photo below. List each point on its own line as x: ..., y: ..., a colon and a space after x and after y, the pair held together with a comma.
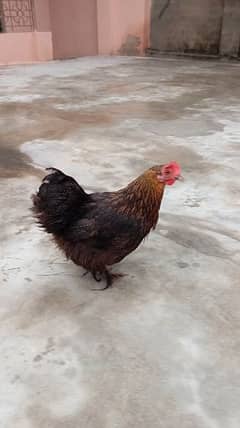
x: 180, y: 178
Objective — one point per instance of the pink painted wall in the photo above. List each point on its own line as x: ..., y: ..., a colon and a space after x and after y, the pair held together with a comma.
x: 42, y: 19
x: 20, y: 48
x: 28, y: 47
x: 74, y: 28
x: 123, y: 26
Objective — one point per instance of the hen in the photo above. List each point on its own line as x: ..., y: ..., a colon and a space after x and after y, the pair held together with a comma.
x: 98, y: 230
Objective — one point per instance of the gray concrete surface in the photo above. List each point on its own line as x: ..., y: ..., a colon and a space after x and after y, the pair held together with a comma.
x: 161, y: 348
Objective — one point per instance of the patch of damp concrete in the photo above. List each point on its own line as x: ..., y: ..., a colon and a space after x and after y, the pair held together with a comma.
x: 13, y: 163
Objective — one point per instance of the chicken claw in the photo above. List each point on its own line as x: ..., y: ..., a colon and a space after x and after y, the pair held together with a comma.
x: 109, y: 277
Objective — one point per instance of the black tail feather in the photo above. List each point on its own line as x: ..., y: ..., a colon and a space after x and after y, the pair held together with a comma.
x: 58, y: 201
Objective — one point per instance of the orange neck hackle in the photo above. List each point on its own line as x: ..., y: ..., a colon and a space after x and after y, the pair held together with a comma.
x: 148, y: 185
x: 143, y: 198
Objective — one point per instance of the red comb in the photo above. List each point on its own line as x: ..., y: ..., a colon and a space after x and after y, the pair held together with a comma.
x: 174, y: 166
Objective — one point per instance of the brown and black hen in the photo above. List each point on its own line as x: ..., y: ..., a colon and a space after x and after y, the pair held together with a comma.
x: 99, y: 229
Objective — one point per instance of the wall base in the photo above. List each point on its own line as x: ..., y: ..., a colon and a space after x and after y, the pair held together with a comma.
x: 22, y: 48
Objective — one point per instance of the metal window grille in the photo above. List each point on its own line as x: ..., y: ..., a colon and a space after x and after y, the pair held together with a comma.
x: 16, y: 16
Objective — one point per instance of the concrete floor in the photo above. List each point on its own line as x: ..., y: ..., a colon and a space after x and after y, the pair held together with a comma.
x: 161, y: 349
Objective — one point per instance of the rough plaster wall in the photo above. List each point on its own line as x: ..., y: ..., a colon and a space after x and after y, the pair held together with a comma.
x: 42, y: 15
x: 123, y: 26
x: 186, y: 25
x: 74, y: 28
x: 230, y: 41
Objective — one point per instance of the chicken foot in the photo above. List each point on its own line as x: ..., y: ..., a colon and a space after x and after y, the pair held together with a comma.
x: 109, y: 277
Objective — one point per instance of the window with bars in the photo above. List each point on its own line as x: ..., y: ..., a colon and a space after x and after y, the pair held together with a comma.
x: 16, y: 16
